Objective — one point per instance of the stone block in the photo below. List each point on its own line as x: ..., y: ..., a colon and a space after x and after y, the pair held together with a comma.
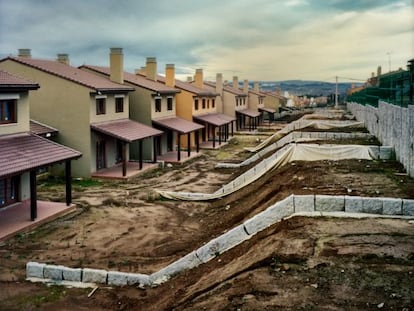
x: 72, y: 274
x: 53, y: 272
x: 374, y: 152
x: 372, y: 205
x: 408, y: 207
x: 185, y: 263
x: 328, y: 203
x: 386, y: 152
x: 270, y: 216
x: 117, y: 278
x: 138, y: 278
x: 353, y: 204
x: 304, y: 203
x: 391, y: 206
x: 94, y: 276
x: 222, y: 243
x: 34, y: 269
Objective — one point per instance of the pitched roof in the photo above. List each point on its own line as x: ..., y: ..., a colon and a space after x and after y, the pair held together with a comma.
x: 189, y: 87
x: 216, y: 119
x: 177, y: 124
x: 23, y: 152
x: 136, y: 79
x: 11, y: 81
x: 269, y: 110
x: 125, y: 130
x: 227, y: 88
x: 249, y: 112
x: 71, y: 73
x: 41, y: 129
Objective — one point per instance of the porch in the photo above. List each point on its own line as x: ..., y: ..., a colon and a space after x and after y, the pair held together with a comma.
x: 16, y: 218
x: 132, y: 169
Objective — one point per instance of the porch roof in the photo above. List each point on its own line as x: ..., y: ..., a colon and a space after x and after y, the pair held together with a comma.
x: 249, y: 112
x: 125, y: 130
x: 269, y: 110
x: 177, y: 124
x: 216, y: 119
x: 42, y: 129
x: 23, y: 152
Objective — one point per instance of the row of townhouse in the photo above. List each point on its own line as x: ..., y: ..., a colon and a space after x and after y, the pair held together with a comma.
x: 113, y: 117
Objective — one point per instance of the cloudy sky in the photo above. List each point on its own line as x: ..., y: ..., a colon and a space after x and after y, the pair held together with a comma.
x: 253, y: 39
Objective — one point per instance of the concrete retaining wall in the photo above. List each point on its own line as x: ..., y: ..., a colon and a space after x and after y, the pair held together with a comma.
x: 344, y: 206
x: 393, y: 126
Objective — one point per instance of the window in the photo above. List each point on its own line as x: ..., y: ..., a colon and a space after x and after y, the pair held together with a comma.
x: 8, y: 109
x: 204, y: 103
x: 100, y: 106
x: 158, y: 105
x: 9, y: 190
x: 119, y: 104
x: 170, y: 103
x: 244, y: 101
x: 208, y: 103
x: 195, y: 104
x: 213, y: 103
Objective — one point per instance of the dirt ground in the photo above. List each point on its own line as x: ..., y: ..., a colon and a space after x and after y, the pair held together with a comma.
x: 299, y: 264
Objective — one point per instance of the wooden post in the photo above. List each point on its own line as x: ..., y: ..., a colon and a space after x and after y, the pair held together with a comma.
x: 219, y: 134
x: 178, y: 148
x: 33, y: 195
x: 188, y: 144
x: 154, y: 145
x: 124, y: 158
x: 214, y: 136
x: 140, y: 154
x: 197, y: 141
x: 68, y: 178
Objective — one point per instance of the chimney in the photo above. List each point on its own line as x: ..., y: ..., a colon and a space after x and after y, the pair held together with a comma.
x: 116, y: 65
x: 246, y: 86
x: 63, y: 58
x: 372, y: 74
x: 189, y: 79
x: 219, y: 83
x: 25, y: 53
x: 379, y: 71
x: 235, y: 82
x: 141, y: 71
x: 198, y: 79
x: 151, y: 68
x: 170, y: 75
x: 256, y: 86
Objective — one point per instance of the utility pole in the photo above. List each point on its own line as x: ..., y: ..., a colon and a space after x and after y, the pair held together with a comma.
x: 336, y: 92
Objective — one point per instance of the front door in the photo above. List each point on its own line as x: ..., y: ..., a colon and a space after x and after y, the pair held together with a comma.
x: 100, y: 155
x: 9, y: 190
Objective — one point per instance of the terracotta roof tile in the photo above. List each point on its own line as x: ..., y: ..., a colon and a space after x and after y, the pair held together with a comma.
x: 73, y: 74
x: 24, y: 152
x: 178, y: 124
x: 249, y: 112
x: 189, y: 87
x: 270, y: 110
x: 41, y: 129
x: 136, y: 79
x: 227, y: 88
x: 8, y: 80
x: 125, y: 130
x: 216, y: 119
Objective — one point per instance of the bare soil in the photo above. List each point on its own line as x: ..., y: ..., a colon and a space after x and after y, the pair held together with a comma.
x: 299, y: 264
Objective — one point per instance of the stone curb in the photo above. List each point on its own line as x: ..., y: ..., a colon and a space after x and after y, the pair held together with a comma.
x: 294, y: 205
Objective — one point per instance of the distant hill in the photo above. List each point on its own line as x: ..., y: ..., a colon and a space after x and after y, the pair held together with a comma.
x: 303, y: 87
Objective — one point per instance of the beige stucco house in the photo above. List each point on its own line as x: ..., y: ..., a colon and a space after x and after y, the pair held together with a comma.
x: 90, y: 112
x: 199, y: 103
x: 154, y: 103
x: 22, y: 153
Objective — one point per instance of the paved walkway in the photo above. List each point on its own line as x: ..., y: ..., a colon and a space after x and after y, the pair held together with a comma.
x: 16, y: 218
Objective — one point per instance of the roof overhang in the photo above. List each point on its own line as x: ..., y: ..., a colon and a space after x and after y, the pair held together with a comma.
x: 26, y: 152
x: 249, y: 112
x: 177, y: 124
x: 216, y: 119
x: 269, y: 110
x: 125, y: 130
